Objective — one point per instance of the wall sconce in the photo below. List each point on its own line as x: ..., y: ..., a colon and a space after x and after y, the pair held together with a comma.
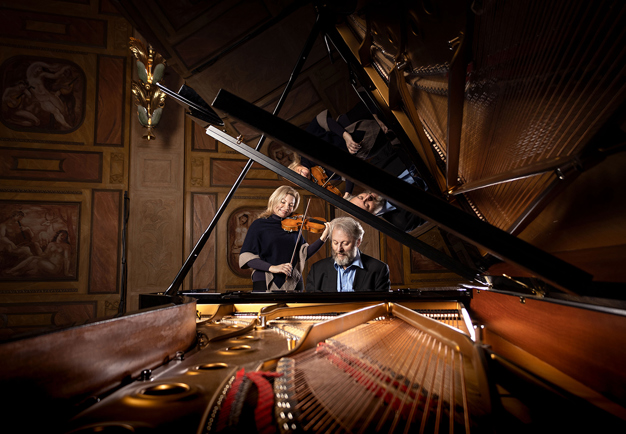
x: 149, y: 99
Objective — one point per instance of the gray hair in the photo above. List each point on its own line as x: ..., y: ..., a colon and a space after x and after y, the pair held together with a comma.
x: 348, y: 226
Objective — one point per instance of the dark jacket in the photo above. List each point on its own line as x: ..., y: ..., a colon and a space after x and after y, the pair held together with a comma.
x: 373, y: 277
x: 400, y: 218
x: 403, y: 220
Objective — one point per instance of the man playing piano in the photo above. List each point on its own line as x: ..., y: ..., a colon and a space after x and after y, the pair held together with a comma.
x: 348, y: 269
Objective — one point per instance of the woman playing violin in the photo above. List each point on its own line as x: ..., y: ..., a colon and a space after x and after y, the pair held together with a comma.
x: 268, y: 248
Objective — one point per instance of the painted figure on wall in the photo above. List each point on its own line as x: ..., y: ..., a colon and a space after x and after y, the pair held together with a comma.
x: 238, y: 224
x: 240, y: 232
x: 38, y: 241
x: 42, y: 94
x: 54, y: 261
x: 18, y: 105
x: 17, y: 238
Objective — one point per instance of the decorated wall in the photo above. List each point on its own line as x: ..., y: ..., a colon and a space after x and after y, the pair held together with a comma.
x: 72, y: 146
x: 64, y: 149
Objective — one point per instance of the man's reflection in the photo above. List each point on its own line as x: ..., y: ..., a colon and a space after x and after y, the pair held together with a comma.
x: 362, y: 134
x: 377, y: 205
x: 370, y: 202
x: 374, y: 204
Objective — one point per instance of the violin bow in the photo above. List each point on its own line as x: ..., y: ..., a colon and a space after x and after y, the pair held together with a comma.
x: 327, y: 180
x: 300, y: 231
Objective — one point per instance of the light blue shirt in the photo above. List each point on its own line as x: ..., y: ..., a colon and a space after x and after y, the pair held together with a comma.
x: 406, y: 177
x: 345, y: 278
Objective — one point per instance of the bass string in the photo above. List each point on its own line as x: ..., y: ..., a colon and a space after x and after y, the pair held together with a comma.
x: 307, y: 369
x: 404, y: 380
x: 423, y: 350
x: 405, y: 398
x: 564, y: 104
x: 330, y: 394
x: 392, y: 394
x: 577, y: 101
x: 387, y: 380
x: 537, y: 64
x: 448, y: 361
x: 372, y: 341
x: 391, y: 381
x: 450, y: 374
x: 422, y: 392
x: 514, y: 90
x: 319, y: 400
x: 349, y: 357
x: 430, y: 395
x: 441, y: 391
x: 464, y: 392
x: 612, y: 91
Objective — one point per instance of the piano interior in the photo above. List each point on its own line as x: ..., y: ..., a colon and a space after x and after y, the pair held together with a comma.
x: 513, y: 114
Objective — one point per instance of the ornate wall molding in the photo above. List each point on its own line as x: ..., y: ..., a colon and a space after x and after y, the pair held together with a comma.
x: 38, y: 291
x: 116, y: 168
x: 197, y: 171
x: 16, y: 190
x: 156, y: 252
x: 46, y: 142
x: 104, y: 266
x: 76, y: 166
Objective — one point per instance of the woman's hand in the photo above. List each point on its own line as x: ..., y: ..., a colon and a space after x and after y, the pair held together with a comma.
x: 282, y: 268
x: 326, y: 232
x: 353, y: 147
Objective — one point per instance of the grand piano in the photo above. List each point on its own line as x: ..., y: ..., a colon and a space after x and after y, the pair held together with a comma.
x: 513, y: 113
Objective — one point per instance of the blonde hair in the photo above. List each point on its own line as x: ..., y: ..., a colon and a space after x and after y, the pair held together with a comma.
x: 277, y: 196
x: 295, y: 163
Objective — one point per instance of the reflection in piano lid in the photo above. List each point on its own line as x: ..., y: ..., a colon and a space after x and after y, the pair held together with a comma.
x: 513, y: 112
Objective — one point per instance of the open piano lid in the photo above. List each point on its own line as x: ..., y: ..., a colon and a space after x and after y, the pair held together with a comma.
x: 499, y: 130
x: 500, y: 107
x: 499, y: 197
x: 489, y: 235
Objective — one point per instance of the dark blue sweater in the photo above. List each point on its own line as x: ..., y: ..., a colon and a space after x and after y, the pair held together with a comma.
x: 267, y: 239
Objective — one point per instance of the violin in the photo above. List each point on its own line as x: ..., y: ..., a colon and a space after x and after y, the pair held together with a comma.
x: 318, y: 175
x: 311, y: 224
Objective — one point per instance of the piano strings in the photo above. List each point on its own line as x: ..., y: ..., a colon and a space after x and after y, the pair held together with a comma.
x: 385, y: 374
